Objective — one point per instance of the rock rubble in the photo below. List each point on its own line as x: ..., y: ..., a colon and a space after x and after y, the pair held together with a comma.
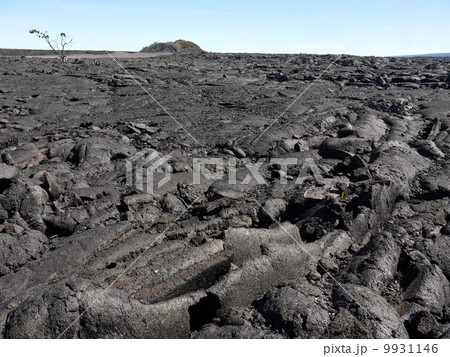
x: 350, y: 239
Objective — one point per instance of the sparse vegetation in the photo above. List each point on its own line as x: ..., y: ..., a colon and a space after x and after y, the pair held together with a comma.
x: 188, y: 46
x: 177, y: 46
x: 59, y: 49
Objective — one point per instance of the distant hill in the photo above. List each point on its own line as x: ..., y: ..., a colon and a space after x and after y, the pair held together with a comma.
x: 177, y: 46
x: 434, y: 55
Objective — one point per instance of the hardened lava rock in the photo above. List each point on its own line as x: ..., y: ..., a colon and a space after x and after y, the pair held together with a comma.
x: 331, y: 222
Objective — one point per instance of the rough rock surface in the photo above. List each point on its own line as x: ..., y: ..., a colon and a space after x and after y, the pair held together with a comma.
x: 348, y: 237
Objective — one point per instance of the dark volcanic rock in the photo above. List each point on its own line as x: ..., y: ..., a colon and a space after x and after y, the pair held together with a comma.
x: 116, y: 314
x: 16, y: 251
x: 371, y: 309
x: 331, y: 221
x: 298, y: 310
x: 7, y: 175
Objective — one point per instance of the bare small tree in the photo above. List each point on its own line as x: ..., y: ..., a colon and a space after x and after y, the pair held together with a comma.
x: 59, y: 49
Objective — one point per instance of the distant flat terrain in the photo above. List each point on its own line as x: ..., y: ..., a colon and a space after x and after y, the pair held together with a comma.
x: 79, y: 54
x: 430, y: 55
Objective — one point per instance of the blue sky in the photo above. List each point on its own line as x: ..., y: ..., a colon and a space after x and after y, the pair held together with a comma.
x: 284, y: 26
